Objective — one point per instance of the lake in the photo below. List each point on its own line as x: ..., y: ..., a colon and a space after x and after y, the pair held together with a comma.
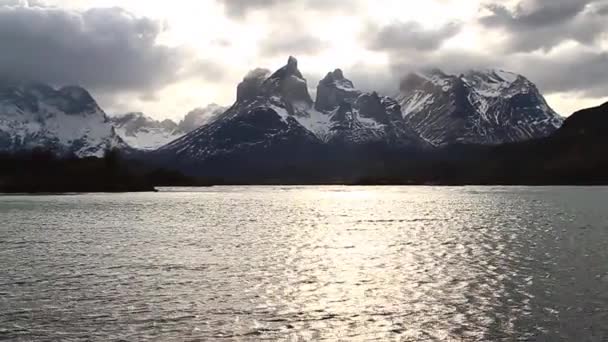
x: 307, y: 263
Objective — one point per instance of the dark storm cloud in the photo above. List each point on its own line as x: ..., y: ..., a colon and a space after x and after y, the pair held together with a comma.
x: 582, y: 72
x: 544, y: 24
x: 570, y: 71
x: 407, y: 36
x: 536, y: 13
x: 602, y: 9
x: 109, y: 50
x: 453, y: 62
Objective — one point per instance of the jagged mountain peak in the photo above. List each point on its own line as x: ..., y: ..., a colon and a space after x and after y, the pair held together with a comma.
x: 199, y: 117
x: 292, y: 63
x: 73, y: 100
x: 67, y: 120
x: 426, y: 80
x: 275, y: 119
x: 490, y: 79
x: 288, y: 85
x: 490, y: 106
x: 333, y: 90
x: 143, y: 132
x: 76, y: 93
x: 141, y: 119
x: 493, y: 75
x: 251, y: 86
x: 335, y: 76
x: 290, y: 69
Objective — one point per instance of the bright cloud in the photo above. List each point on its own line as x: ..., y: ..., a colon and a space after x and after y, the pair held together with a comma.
x: 166, y: 58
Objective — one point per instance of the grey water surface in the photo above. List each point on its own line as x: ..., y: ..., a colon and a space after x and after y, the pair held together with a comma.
x: 307, y: 263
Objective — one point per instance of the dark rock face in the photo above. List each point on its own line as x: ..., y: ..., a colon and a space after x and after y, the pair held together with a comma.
x: 273, y: 124
x: 199, y: 117
x: 289, y: 70
x: 479, y: 107
x: 70, y: 100
x: 251, y: 86
x: 574, y: 154
x: 76, y: 100
x: 372, y: 107
x: 591, y: 122
x: 249, y: 141
x: 261, y: 125
x: 334, y: 90
x: 360, y: 118
x: 288, y: 84
x: 344, y: 114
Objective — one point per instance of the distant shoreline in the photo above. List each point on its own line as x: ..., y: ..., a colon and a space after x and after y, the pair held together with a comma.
x: 159, y: 189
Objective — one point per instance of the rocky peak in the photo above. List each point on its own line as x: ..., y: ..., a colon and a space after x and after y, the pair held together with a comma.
x: 476, y: 107
x: 251, y: 86
x: 137, y: 120
x: 199, y: 117
x: 333, y: 90
x: 286, y: 85
x: 77, y: 100
x: 492, y: 76
x: 292, y: 65
x: 289, y: 85
x: 76, y: 93
x: 66, y: 120
x: 335, y: 77
x: 72, y: 100
x: 289, y: 70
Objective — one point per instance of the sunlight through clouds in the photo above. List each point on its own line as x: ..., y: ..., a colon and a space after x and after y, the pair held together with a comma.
x: 234, y: 36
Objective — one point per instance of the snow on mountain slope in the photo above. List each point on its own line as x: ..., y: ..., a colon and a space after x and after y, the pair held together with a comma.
x: 199, y: 117
x: 274, y: 112
x: 480, y: 107
x: 361, y: 118
x: 263, y: 117
x: 67, y: 121
x: 144, y: 133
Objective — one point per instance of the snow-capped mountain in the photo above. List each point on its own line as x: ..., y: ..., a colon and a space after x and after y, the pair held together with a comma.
x: 479, y: 107
x: 144, y: 133
x: 199, y: 116
x: 262, y: 118
x: 274, y: 117
x: 67, y: 121
x: 349, y: 116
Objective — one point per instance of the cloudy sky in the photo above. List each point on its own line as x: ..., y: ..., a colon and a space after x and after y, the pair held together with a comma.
x: 168, y: 57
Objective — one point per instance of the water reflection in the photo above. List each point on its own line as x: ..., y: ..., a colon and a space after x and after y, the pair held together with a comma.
x: 308, y: 263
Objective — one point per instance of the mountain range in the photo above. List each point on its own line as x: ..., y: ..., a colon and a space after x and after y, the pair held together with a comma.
x: 144, y: 133
x: 487, y: 107
x: 275, y: 122
x: 572, y: 155
x: 275, y: 125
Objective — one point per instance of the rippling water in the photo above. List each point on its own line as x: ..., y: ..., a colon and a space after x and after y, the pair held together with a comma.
x: 307, y: 263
